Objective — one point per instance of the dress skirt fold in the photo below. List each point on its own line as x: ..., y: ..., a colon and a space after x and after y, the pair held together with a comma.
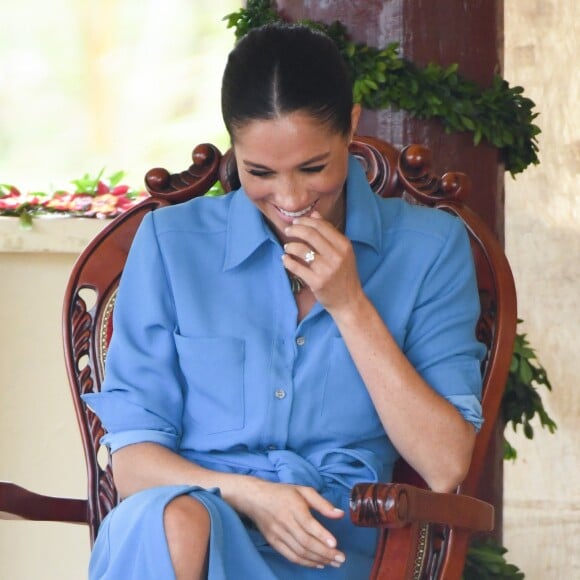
x: 131, y: 544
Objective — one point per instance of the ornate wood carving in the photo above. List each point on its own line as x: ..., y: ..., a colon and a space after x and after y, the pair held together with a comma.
x: 194, y: 181
x: 379, y: 160
x: 89, y: 345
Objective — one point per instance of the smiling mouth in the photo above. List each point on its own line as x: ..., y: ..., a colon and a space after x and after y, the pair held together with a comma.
x: 296, y: 214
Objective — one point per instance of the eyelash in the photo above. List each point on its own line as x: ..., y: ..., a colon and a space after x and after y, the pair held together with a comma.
x: 313, y: 169
x: 257, y: 173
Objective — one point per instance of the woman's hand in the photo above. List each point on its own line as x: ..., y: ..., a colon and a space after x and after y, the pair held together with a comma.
x: 282, y: 512
x: 332, y: 274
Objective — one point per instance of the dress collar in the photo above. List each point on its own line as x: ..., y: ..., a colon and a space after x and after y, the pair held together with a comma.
x: 247, y: 230
x: 363, y: 218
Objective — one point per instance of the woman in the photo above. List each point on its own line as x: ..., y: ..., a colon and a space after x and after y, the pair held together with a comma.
x: 275, y: 346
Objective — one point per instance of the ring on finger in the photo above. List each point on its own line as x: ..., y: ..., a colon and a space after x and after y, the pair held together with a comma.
x: 309, y: 256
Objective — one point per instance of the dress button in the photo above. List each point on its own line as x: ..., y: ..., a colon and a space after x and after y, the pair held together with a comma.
x: 300, y: 341
x: 280, y: 393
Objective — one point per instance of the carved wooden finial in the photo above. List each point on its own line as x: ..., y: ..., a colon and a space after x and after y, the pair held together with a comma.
x: 193, y: 182
x: 425, y: 186
x: 157, y: 179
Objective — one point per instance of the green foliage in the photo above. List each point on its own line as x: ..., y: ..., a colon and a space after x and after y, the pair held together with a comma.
x: 521, y: 400
x: 215, y: 190
x: 257, y: 13
x: 485, y: 561
x: 499, y: 115
x: 88, y: 184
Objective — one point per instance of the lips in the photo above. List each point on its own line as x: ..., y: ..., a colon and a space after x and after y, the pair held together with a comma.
x: 296, y: 214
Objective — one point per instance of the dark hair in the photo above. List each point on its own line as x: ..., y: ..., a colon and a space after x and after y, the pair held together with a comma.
x: 282, y: 68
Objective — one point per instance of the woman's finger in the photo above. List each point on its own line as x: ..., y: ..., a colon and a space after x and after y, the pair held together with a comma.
x: 303, y: 252
x: 320, y: 503
x: 298, y: 539
x: 314, y: 528
x: 294, y: 531
x: 319, y: 235
x: 291, y: 550
x: 311, y: 541
x: 311, y: 547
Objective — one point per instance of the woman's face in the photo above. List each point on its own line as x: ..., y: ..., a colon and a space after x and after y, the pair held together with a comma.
x: 291, y: 166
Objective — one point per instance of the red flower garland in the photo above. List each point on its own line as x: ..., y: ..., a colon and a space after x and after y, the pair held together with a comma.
x: 92, y: 197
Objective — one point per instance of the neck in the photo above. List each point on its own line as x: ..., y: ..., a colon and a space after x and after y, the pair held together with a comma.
x: 339, y: 220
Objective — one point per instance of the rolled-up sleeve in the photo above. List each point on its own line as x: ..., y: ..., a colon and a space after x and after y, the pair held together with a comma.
x: 441, y: 340
x: 142, y: 394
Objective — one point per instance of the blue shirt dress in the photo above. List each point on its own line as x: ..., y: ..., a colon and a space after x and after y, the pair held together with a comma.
x: 207, y: 359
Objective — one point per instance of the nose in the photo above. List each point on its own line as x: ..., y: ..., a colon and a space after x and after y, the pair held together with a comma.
x: 290, y: 195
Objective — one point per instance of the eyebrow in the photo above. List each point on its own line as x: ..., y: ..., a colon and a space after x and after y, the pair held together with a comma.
x: 321, y: 157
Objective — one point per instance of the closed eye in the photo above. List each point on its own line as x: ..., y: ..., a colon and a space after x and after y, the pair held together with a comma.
x: 259, y: 173
x: 313, y: 169
x: 266, y: 173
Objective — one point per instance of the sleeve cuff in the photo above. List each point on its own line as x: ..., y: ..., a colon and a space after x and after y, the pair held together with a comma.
x: 469, y: 407
x: 126, y: 422
x: 115, y: 441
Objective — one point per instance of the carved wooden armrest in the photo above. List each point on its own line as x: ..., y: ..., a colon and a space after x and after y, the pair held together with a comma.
x: 19, y: 503
x: 395, y: 505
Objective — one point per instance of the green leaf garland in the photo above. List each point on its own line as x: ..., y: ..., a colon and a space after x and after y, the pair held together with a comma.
x: 485, y: 561
x: 499, y: 115
x: 521, y: 400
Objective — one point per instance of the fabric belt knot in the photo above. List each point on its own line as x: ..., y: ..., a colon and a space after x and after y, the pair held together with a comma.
x: 292, y: 468
x: 341, y: 466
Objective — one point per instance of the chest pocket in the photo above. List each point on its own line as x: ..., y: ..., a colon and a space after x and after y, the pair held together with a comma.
x: 213, y: 369
x: 347, y: 408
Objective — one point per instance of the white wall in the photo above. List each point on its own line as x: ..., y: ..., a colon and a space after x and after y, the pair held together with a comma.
x: 542, y: 489
x: 40, y: 445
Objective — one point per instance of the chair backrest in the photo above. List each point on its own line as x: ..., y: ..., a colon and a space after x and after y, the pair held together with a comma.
x: 92, y: 287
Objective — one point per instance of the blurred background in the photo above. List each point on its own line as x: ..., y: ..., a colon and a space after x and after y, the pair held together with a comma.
x: 122, y: 85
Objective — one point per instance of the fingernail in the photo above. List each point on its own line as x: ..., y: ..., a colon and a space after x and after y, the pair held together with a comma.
x: 320, y: 567
x: 340, y: 558
x: 338, y: 510
x: 331, y: 542
x: 335, y: 564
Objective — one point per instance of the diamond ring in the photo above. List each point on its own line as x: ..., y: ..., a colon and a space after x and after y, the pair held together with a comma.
x: 309, y: 256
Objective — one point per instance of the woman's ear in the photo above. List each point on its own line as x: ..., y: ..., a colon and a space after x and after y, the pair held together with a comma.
x: 354, y: 118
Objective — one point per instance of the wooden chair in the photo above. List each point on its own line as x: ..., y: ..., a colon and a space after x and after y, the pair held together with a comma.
x: 424, y: 534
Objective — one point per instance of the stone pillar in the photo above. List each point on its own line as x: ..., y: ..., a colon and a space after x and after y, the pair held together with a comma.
x: 444, y: 32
